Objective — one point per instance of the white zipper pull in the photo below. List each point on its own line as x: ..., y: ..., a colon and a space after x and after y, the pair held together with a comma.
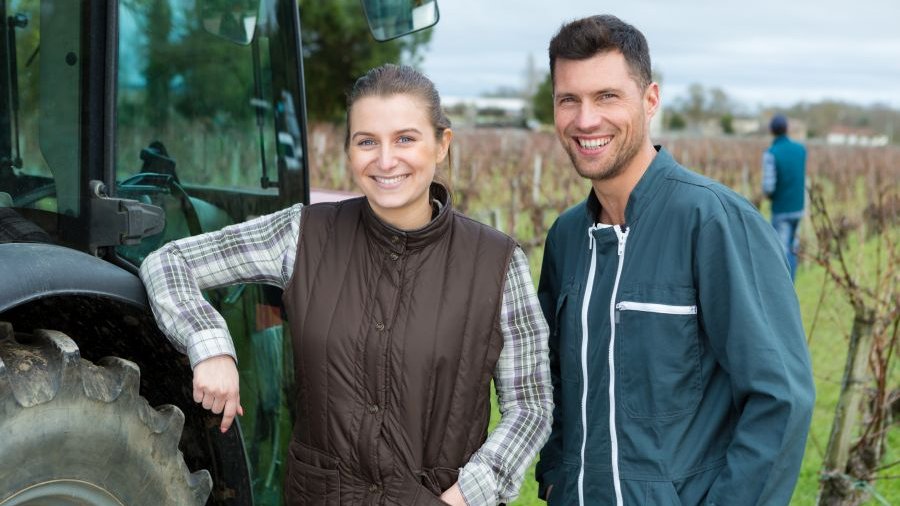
x: 622, y: 237
x: 591, y: 238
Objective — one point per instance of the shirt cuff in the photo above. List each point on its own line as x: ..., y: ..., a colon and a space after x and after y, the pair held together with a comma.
x: 210, y: 343
x: 478, y: 485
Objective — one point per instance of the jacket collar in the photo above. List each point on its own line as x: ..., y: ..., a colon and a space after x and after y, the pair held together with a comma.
x: 397, y: 240
x: 779, y: 139
x: 643, y: 191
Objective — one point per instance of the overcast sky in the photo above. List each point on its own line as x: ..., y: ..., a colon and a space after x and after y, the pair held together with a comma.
x: 761, y: 52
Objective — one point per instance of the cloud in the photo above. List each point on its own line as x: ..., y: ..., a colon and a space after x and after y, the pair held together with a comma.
x: 766, y: 50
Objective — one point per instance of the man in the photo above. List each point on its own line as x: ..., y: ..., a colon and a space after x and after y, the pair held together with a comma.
x: 679, y: 364
x: 784, y: 174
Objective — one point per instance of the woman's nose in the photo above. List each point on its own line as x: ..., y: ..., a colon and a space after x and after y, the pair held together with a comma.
x: 386, y: 159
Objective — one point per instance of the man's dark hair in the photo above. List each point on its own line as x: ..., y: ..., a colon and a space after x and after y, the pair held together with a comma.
x: 584, y: 38
x: 778, y: 125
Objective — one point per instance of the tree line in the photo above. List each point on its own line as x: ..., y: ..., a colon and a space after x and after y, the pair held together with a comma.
x: 700, y: 104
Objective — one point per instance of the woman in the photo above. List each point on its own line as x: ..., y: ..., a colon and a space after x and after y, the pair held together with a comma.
x: 401, y: 310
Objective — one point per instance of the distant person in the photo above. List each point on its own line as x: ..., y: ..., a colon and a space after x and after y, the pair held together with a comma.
x: 402, y: 312
x: 784, y: 183
x: 680, y: 369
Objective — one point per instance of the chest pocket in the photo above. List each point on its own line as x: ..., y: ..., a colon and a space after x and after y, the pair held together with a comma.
x: 658, y: 353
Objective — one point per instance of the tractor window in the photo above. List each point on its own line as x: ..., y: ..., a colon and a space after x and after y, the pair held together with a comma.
x: 39, y: 114
x: 191, y: 104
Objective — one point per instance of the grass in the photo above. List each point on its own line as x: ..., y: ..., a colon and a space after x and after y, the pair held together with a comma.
x: 828, y: 345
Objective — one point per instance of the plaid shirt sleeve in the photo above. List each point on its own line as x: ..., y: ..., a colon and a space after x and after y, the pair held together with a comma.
x: 522, y: 378
x: 770, y: 175
x: 261, y: 250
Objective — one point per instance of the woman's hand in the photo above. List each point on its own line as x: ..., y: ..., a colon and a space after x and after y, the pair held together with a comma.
x: 216, y: 387
x: 453, y: 496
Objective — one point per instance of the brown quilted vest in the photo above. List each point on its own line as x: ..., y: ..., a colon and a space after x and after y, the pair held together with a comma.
x: 396, y: 335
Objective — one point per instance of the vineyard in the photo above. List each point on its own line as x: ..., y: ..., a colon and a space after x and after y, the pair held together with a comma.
x: 519, y: 181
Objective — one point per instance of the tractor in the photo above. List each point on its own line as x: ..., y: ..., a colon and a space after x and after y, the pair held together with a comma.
x: 123, y: 125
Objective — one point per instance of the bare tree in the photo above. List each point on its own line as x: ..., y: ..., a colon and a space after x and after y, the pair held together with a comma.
x: 867, y: 405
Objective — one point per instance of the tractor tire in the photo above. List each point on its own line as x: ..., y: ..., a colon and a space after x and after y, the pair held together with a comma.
x: 75, y: 433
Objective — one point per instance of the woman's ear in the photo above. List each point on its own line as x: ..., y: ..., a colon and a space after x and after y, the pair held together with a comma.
x: 444, y: 144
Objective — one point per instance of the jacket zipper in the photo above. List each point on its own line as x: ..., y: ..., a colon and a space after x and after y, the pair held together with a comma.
x: 585, y: 304
x: 649, y: 307
x: 622, y: 234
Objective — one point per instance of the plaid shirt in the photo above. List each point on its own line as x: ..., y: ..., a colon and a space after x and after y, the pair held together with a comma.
x: 263, y: 251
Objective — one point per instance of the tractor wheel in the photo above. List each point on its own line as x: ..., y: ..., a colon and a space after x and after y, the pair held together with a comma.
x: 75, y: 433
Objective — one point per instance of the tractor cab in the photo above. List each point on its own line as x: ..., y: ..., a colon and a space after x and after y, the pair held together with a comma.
x: 125, y: 125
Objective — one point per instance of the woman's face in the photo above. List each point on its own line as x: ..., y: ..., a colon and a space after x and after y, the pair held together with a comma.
x: 393, y: 153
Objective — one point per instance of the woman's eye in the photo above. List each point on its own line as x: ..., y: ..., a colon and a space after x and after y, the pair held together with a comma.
x: 404, y: 139
x: 366, y: 142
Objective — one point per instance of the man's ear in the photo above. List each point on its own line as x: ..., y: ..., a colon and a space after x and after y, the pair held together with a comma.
x: 651, y: 100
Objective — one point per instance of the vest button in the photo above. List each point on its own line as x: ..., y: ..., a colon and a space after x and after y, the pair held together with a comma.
x: 395, y: 239
x: 394, y: 256
x: 373, y: 408
x: 374, y: 487
x: 379, y: 325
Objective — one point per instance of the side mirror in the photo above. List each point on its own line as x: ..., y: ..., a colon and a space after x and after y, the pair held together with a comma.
x: 389, y: 19
x: 233, y: 20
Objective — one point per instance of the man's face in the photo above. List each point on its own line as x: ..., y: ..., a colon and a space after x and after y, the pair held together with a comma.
x: 601, y: 114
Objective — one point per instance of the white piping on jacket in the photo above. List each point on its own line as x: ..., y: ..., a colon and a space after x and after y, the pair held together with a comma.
x: 585, y: 305
x: 622, y: 236
x: 613, y: 438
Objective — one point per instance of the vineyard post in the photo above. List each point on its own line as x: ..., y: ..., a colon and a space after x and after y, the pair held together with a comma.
x: 513, y: 206
x: 837, y: 486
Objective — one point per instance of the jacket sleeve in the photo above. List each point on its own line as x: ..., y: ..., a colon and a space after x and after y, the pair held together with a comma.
x: 547, y: 471
x: 750, y: 313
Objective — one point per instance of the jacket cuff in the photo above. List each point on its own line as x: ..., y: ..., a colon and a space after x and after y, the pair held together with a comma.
x: 548, y: 478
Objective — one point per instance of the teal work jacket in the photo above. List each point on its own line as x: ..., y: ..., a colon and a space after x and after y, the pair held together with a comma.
x: 680, y: 369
